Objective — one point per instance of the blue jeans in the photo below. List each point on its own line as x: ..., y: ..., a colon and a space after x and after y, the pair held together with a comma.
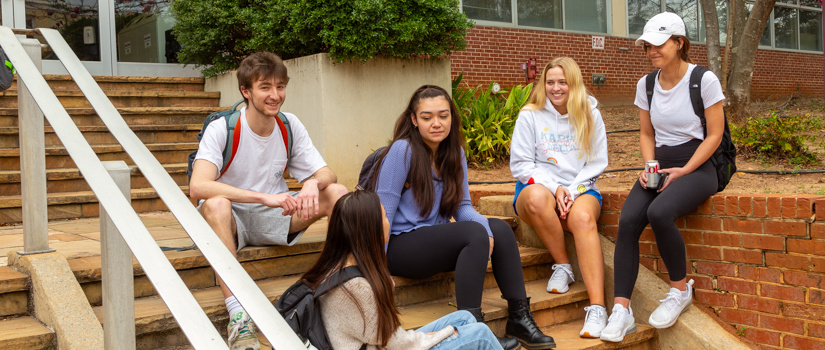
x: 471, y: 334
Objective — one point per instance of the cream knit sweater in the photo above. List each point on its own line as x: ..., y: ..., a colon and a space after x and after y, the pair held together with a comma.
x: 346, y: 328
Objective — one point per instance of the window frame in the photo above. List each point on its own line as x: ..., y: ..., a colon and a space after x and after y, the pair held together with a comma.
x: 515, y: 25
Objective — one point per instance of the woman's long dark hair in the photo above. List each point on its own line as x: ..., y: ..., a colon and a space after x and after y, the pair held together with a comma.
x: 447, y: 160
x: 356, y: 228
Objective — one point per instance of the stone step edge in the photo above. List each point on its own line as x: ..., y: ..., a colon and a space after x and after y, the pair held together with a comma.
x: 56, y: 174
x: 127, y: 79
x: 107, y: 148
x: 152, y: 315
x: 84, y: 197
x: 24, y: 332
x: 567, y: 336
x: 151, y: 111
x: 130, y: 93
x: 13, y: 130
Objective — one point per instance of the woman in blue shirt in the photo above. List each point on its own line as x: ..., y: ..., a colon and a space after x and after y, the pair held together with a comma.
x: 422, y: 184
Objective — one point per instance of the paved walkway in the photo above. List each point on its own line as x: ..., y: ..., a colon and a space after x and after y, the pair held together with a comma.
x: 81, y: 238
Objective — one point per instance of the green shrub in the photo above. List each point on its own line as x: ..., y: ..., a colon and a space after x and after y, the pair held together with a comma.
x: 778, y: 138
x: 488, y: 119
x: 221, y: 33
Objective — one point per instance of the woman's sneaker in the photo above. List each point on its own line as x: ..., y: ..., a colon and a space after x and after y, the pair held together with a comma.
x: 671, y: 307
x: 594, y: 321
x: 560, y: 280
x: 241, y: 332
x: 620, y: 324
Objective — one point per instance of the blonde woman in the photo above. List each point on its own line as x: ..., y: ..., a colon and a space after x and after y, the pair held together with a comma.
x: 559, y: 143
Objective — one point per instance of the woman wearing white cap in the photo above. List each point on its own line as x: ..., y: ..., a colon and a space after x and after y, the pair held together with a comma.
x: 672, y: 134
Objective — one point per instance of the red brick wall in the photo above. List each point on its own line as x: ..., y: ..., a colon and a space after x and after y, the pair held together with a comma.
x: 496, y: 54
x: 758, y: 261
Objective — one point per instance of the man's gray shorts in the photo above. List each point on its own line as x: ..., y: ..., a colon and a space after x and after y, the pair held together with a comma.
x: 260, y: 225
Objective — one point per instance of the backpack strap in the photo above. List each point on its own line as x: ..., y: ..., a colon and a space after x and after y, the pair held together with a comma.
x: 233, y: 136
x: 286, y: 133
x: 336, y: 279
x: 650, y: 83
x: 696, y: 95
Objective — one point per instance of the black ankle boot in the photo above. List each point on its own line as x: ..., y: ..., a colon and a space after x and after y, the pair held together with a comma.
x: 507, y: 343
x: 521, y: 326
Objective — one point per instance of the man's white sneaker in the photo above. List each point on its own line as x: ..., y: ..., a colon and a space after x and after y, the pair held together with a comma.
x: 594, y: 321
x: 620, y: 324
x: 560, y: 280
x: 241, y: 332
x: 671, y: 307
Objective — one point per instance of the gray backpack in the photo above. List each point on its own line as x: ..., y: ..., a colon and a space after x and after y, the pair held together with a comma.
x: 6, y: 71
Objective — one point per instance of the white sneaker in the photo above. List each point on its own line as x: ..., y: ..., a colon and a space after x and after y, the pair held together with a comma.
x: 671, y: 307
x: 241, y: 332
x: 560, y: 280
x: 594, y: 321
x: 620, y: 324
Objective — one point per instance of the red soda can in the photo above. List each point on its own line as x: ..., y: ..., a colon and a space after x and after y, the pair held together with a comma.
x: 653, y: 176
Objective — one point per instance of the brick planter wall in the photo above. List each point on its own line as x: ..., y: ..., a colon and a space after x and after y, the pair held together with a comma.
x: 757, y: 260
x: 496, y: 54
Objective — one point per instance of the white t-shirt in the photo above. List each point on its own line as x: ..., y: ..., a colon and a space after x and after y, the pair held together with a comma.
x: 260, y: 161
x: 672, y: 114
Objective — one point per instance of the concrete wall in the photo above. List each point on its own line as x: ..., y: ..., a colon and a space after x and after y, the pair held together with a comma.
x: 349, y: 109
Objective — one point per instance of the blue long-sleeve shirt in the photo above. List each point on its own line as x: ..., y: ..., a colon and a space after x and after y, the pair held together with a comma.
x: 402, y: 210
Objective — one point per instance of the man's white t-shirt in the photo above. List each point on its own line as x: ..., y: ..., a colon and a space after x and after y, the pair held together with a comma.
x: 672, y: 114
x: 259, y: 162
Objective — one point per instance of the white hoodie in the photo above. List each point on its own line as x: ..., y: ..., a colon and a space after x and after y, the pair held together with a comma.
x: 543, y: 151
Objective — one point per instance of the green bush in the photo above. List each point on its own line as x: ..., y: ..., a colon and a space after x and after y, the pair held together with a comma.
x: 488, y: 119
x: 220, y: 33
x: 778, y: 138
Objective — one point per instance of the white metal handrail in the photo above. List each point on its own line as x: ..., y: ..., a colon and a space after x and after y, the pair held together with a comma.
x: 184, y: 308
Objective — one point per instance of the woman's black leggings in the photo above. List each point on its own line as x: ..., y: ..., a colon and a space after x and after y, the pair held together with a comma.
x: 461, y: 247
x: 643, y: 206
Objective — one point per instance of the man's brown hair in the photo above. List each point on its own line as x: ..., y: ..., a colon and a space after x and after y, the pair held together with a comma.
x: 259, y: 66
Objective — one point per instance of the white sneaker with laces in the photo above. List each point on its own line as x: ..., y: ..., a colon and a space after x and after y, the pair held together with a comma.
x: 560, y: 280
x: 241, y: 332
x: 620, y: 324
x: 671, y: 307
x: 594, y: 321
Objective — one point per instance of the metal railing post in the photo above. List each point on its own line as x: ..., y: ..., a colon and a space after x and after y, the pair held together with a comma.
x: 32, y: 162
x: 118, y: 277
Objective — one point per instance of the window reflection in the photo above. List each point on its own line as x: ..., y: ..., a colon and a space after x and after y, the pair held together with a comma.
x: 144, y: 31
x: 489, y: 10
x: 76, y: 20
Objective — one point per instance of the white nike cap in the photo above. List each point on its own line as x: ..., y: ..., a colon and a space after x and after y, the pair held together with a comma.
x: 660, y: 28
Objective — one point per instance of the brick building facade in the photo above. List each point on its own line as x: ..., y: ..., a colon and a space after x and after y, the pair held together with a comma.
x: 496, y: 54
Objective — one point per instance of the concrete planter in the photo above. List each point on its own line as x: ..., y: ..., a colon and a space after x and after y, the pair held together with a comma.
x: 349, y: 109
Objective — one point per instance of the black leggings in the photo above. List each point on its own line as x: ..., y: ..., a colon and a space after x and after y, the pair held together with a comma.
x: 461, y: 247
x: 643, y: 206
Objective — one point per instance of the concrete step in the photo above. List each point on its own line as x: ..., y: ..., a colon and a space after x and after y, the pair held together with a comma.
x: 128, y: 98
x: 13, y: 291
x: 70, y: 179
x: 96, y: 135
x: 132, y: 115
x: 25, y: 332
x: 156, y: 328
x: 566, y: 336
x: 58, y: 157
x: 111, y: 83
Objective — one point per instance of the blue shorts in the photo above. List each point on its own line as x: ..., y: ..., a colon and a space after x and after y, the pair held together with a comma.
x: 520, y: 186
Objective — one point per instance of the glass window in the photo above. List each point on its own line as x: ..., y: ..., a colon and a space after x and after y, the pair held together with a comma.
x: 586, y: 15
x: 540, y: 13
x: 811, y: 3
x: 489, y: 10
x: 638, y: 12
x: 689, y: 11
x: 144, y: 32
x: 810, y: 30
x: 722, y: 11
x: 76, y: 20
x: 785, y: 28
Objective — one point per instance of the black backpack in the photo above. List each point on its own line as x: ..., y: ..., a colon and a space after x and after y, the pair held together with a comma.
x: 233, y: 139
x: 370, y: 169
x: 299, y: 305
x: 724, y: 159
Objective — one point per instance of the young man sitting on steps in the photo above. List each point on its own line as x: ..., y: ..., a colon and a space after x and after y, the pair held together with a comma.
x: 250, y: 203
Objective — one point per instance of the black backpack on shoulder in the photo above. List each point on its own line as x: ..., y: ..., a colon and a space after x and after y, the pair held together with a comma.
x: 370, y: 168
x: 724, y: 159
x: 301, y: 309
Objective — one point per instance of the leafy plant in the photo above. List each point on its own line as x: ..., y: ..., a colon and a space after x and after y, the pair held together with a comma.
x: 779, y: 138
x: 741, y: 331
x: 220, y: 33
x: 488, y: 119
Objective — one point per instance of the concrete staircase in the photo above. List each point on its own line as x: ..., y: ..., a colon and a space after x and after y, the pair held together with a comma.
x: 276, y: 268
x: 165, y: 113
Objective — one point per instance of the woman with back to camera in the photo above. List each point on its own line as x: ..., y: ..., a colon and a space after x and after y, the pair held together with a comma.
x: 559, y: 143
x: 428, y: 147
x: 672, y: 134
x: 356, y: 236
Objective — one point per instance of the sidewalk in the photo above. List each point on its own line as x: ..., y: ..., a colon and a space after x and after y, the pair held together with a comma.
x: 81, y: 238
